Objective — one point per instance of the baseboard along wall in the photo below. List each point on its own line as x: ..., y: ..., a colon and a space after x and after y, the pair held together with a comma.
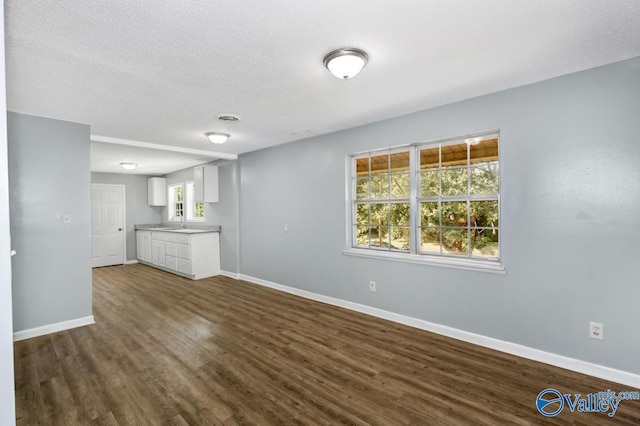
x: 572, y: 364
x: 52, y: 328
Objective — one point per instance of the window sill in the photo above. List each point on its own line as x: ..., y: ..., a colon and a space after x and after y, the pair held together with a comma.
x: 445, y: 262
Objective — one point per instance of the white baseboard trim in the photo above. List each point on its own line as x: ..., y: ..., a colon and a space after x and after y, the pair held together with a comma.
x: 130, y: 262
x: 201, y: 276
x: 579, y: 366
x: 52, y: 328
x: 230, y: 275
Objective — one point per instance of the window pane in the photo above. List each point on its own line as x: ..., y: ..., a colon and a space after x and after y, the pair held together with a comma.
x: 400, y: 214
x: 454, y: 213
x: 429, y: 214
x: 199, y: 210
x: 400, y: 238
x: 380, y: 164
x: 430, y: 158
x: 484, y: 214
x: 399, y: 162
x: 430, y: 240
x: 430, y: 184
x: 455, y: 241
x: 454, y: 155
x: 454, y: 182
x: 362, y: 188
x: 362, y: 214
x: 379, y: 214
x: 362, y: 166
x: 380, y: 236
x: 362, y: 236
x: 179, y: 194
x: 484, y: 151
x: 380, y: 186
x: 484, y: 243
x: 400, y: 186
x: 485, y: 179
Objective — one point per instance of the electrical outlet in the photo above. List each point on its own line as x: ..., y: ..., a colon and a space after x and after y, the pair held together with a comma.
x: 596, y: 330
x: 372, y: 286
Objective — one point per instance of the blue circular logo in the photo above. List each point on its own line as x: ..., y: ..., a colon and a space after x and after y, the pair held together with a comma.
x: 545, y: 401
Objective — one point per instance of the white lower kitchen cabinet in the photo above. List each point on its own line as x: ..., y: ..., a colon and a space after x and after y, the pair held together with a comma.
x: 143, y: 240
x: 192, y: 255
x: 171, y: 263
x: 184, y: 266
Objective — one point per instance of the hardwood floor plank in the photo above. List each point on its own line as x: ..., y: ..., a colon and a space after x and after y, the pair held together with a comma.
x: 167, y: 350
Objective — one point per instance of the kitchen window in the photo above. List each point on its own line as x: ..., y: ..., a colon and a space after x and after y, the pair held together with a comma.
x: 176, y: 203
x: 195, y: 210
x: 182, y: 208
x: 436, y: 202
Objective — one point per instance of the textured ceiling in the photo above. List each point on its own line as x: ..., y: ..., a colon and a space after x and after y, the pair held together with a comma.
x: 163, y: 71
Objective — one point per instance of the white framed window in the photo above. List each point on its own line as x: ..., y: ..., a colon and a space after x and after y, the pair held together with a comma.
x: 435, y: 202
x: 194, y: 210
x: 175, y: 196
x: 381, y: 202
x: 182, y: 208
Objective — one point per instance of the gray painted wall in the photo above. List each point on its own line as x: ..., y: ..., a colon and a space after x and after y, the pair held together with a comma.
x: 223, y: 213
x: 49, y: 176
x: 570, y: 164
x: 138, y: 211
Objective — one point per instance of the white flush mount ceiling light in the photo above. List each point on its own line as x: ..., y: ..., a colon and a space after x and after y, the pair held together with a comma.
x: 345, y: 63
x: 128, y: 166
x: 217, y: 137
x: 220, y: 137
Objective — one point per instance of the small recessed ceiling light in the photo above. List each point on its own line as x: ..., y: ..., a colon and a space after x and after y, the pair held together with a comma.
x: 128, y: 166
x: 217, y: 137
x: 346, y: 63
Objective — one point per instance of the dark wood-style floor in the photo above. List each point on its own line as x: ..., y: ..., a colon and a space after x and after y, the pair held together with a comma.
x: 167, y: 350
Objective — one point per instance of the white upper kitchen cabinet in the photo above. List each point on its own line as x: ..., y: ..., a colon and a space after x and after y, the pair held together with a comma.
x: 205, y: 188
x: 157, y: 191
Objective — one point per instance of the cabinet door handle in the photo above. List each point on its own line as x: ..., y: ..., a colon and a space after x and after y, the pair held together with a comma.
x: 119, y: 229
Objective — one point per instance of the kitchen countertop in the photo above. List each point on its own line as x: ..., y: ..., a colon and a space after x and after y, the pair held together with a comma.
x: 178, y: 229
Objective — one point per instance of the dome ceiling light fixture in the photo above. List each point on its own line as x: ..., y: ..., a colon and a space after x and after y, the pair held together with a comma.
x: 217, y: 137
x: 345, y: 63
x: 221, y: 137
x: 128, y: 166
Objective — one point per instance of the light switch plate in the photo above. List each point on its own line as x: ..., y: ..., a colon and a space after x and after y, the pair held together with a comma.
x: 66, y: 218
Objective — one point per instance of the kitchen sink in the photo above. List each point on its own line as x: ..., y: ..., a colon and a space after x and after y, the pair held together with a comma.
x: 177, y: 230
x: 186, y: 231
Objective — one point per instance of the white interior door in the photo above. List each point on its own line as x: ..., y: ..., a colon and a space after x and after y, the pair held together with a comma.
x: 107, y: 225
